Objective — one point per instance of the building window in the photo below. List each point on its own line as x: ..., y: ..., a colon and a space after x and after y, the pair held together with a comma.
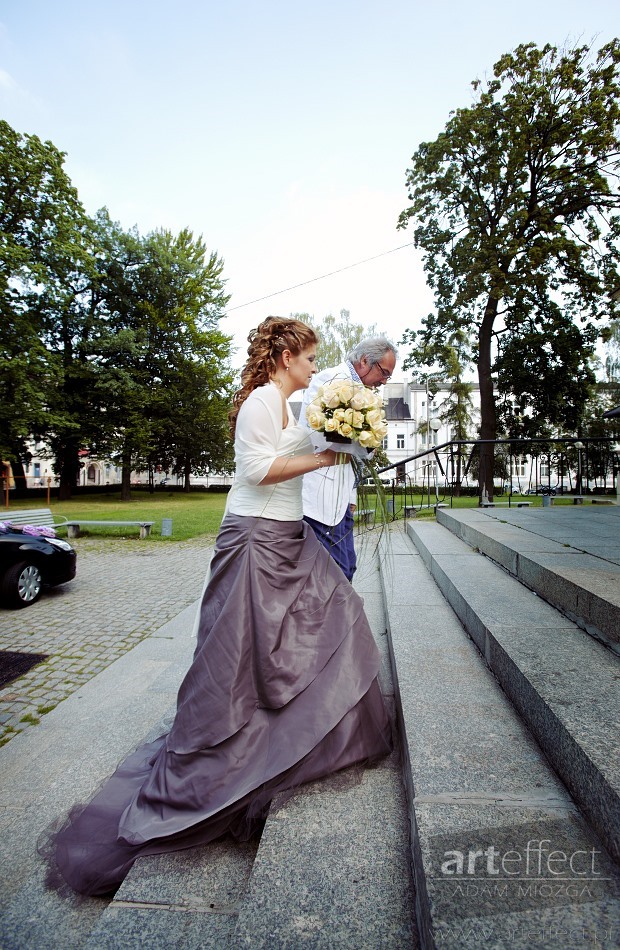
x: 400, y: 440
x: 384, y: 444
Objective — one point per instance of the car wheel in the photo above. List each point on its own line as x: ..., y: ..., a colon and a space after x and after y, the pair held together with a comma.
x: 21, y: 585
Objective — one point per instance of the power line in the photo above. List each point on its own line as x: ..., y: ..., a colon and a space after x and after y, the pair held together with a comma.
x: 322, y: 277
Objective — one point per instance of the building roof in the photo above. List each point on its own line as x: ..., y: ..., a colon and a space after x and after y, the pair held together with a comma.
x: 396, y: 409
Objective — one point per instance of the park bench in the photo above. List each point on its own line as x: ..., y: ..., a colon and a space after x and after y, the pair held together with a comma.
x: 39, y: 517
x: 43, y: 517
x: 365, y: 515
x: 505, y: 504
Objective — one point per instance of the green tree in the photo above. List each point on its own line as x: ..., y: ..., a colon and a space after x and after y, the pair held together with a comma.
x: 514, y: 205
x: 44, y: 252
x: 337, y: 336
x: 195, y: 436
x: 162, y: 296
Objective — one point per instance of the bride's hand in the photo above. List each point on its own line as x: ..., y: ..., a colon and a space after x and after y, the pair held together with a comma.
x: 334, y: 458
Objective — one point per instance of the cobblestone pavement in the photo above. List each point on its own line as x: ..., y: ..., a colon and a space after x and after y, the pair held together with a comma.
x: 123, y: 591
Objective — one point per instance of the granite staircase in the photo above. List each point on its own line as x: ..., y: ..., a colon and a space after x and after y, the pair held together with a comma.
x: 496, y: 821
x: 504, y: 630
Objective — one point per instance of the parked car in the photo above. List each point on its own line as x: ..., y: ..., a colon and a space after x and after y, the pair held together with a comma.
x: 30, y: 562
x: 540, y: 490
x: 370, y: 482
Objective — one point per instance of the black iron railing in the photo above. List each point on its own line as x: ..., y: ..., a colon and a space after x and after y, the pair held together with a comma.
x: 572, y: 465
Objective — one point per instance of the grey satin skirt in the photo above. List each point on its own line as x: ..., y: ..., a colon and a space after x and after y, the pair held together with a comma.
x: 282, y: 690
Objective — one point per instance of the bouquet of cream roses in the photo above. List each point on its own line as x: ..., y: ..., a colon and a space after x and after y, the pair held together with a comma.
x: 347, y: 412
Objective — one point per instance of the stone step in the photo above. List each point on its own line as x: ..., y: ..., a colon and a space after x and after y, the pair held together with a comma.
x: 563, y: 684
x: 331, y: 868
x: 537, y: 547
x: 494, y: 830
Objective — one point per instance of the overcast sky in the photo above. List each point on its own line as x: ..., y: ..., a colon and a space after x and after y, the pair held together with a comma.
x: 280, y: 131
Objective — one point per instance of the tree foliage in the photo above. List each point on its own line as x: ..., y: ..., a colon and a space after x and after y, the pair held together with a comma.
x: 337, y: 336
x: 42, y: 250
x: 515, y: 209
x: 109, y: 341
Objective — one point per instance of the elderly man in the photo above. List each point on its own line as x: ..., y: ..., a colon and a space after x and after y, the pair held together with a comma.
x: 329, y: 494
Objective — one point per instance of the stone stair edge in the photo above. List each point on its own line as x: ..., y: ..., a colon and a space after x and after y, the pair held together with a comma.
x: 432, y: 813
x: 594, y: 784
x: 582, y: 602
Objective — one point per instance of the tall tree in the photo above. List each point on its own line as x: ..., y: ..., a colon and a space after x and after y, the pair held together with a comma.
x: 163, y: 297
x: 515, y: 207
x: 44, y: 251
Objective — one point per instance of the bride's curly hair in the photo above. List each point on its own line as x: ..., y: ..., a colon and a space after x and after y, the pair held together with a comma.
x: 267, y: 342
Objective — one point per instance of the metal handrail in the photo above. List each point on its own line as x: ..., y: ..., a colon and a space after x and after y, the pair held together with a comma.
x: 519, y: 442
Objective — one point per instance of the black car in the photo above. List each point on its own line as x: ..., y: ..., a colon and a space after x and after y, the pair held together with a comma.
x: 540, y: 490
x: 29, y: 561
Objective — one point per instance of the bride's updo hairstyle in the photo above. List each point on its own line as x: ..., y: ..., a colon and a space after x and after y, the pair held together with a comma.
x: 267, y: 343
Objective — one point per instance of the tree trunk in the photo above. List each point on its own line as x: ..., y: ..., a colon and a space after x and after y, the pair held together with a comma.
x: 69, y: 465
x: 126, y: 474
x: 19, y: 478
x: 488, y: 419
x: 187, y: 470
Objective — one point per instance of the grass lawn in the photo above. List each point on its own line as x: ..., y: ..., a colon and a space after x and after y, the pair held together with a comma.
x: 192, y: 515
x: 200, y: 514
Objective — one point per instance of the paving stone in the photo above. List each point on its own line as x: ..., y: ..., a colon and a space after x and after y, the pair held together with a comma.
x: 73, y: 624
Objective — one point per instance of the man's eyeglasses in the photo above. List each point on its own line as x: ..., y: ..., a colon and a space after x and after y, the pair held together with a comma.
x: 384, y: 372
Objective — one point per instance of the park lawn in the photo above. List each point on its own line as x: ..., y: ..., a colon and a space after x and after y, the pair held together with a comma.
x: 195, y: 515
x: 198, y: 514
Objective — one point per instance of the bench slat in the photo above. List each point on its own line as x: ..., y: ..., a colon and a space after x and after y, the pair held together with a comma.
x: 34, y: 516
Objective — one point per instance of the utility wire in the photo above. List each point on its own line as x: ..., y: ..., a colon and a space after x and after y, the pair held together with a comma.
x: 322, y: 277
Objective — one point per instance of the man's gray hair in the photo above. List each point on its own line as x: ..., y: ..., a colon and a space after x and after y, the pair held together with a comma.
x: 373, y: 348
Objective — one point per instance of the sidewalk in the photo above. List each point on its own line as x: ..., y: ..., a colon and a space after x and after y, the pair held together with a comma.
x: 146, y: 627
x: 124, y: 590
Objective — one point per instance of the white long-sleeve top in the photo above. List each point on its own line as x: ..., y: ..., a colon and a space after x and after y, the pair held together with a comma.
x: 328, y: 492
x: 259, y: 440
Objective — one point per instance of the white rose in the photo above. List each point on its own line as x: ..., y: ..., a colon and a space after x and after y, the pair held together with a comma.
x: 331, y: 425
x: 331, y: 398
x: 315, y: 419
x: 345, y: 430
x: 373, y: 418
x: 345, y: 392
x: 367, y: 439
x: 359, y: 399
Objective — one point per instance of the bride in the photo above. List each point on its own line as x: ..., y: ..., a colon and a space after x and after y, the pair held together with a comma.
x: 283, y: 684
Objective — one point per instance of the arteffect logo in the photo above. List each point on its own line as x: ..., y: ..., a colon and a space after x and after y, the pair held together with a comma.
x: 521, y: 867
x: 538, y: 859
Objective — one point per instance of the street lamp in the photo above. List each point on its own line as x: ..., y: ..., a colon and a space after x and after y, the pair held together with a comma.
x: 579, y: 446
